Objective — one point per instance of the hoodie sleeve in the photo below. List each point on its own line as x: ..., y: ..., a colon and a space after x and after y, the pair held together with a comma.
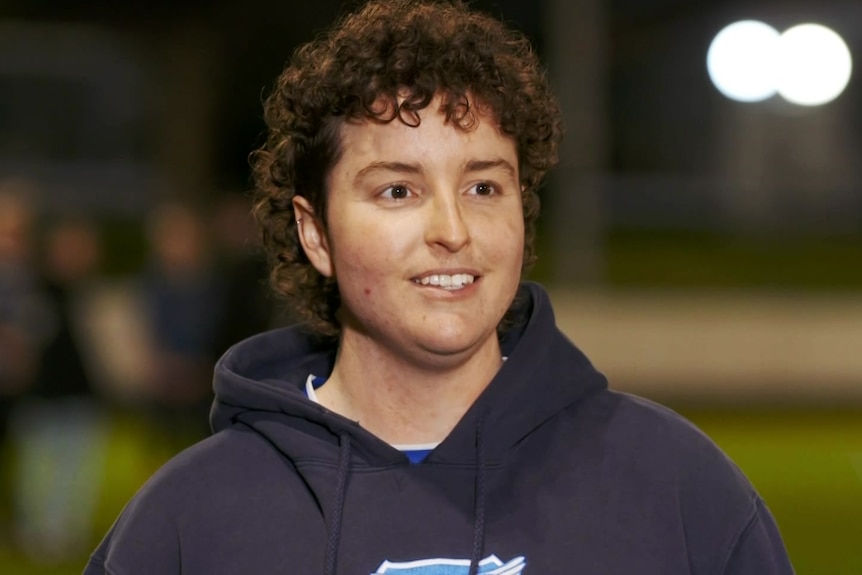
x: 759, y: 549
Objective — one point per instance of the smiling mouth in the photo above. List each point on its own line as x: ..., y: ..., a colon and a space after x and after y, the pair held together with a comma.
x: 445, y: 281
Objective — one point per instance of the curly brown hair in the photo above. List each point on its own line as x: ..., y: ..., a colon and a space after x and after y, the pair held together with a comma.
x: 399, y: 53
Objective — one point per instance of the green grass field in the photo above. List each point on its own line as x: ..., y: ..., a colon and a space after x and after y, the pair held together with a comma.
x: 696, y: 260
x: 806, y: 464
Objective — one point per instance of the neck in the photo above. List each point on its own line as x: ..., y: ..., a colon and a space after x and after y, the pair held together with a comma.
x: 403, y: 401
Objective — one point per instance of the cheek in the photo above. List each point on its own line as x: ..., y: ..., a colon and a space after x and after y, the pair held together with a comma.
x: 362, y: 266
x: 507, y: 240
x: 372, y: 242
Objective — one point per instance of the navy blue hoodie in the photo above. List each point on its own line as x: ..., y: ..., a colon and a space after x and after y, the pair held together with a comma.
x: 548, y: 473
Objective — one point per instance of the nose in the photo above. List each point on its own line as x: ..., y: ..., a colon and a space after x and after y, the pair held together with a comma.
x: 446, y: 225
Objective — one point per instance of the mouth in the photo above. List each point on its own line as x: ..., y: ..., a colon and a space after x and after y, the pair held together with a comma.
x: 449, y: 282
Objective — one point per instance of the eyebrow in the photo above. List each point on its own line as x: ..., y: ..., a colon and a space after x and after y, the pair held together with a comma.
x: 416, y: 168
x: 484, y: 165
x: 397, y: 167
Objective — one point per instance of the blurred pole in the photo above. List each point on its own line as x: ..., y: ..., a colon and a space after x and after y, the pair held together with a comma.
x: 578, y: 56
x: 188, y: 53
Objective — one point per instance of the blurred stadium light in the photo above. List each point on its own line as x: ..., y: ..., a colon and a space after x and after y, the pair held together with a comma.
x: 815, y: 65
x: 741, y: 61
x: 808, y: 65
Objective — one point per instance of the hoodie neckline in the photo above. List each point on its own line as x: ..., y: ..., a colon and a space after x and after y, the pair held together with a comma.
x: 266, y: 375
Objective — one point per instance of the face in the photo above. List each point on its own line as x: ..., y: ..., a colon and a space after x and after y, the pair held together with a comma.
x: 425, y: 235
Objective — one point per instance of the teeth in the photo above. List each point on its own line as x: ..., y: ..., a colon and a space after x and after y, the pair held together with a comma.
x: 451, y: 282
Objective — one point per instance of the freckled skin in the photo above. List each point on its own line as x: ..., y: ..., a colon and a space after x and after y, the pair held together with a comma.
x: 442, y: 224
x: 409, y: 202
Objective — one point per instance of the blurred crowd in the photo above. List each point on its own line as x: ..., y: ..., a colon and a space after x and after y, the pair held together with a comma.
x: 76, y: 344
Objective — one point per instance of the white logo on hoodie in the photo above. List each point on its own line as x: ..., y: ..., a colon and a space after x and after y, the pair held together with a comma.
x: 490, y: 565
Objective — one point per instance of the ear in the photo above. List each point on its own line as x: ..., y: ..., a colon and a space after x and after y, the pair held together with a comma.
x: 312, y: 236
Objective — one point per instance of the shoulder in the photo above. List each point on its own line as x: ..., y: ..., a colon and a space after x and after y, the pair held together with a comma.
x: 189, y: 497
x: 212, y: 470
x: 203, y: 468
x: 196, y: 472
x: 654, y: 468
x: 657, y: 453
x: 662, y: 443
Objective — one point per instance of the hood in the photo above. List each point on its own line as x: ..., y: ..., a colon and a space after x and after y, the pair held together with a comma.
x: 260, y: 383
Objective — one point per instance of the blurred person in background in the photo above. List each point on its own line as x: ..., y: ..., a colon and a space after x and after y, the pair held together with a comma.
x: 20, y: 306
x: 22, y: 320
x: 182, y: 301
x: 58, y: 428
x: 427, y: 416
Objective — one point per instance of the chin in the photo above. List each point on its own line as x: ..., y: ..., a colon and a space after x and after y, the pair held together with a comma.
x: 455, y: 340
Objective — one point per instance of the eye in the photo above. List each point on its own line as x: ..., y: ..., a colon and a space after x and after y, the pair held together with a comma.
x: 397, y: 192
x: 484, y: 189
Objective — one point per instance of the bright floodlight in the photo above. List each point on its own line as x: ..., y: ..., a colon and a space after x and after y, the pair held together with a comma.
x: 742, y: 61
x: 814, y: 65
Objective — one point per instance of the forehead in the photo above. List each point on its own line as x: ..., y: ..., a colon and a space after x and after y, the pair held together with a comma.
x: 431, y: 132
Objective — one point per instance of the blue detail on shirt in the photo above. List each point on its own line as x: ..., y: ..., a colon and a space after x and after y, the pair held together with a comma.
x: 317, y: 381
x: 416, y: 455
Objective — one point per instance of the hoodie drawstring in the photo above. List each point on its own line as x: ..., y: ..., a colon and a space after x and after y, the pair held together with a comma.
x: 337, y: 510
x: 479, y: 509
